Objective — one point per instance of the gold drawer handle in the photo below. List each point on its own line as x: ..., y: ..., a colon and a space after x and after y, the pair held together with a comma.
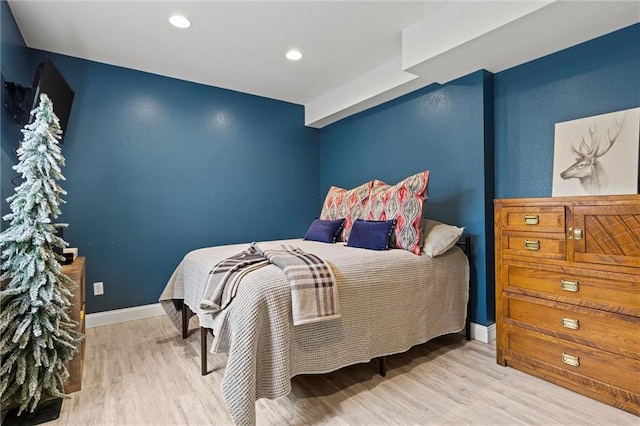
x: 577, y: 234
x: 570, y: 323
x: 571, y: 360
x: 531, y: 219
x: 573, y: 286
x: 532, y: 245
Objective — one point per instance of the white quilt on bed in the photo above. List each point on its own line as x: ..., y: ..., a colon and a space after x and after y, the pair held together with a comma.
x: 389, y: 301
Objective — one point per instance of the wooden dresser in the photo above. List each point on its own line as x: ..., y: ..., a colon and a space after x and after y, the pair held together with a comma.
x: 76, y: 271
x: 568, y: 293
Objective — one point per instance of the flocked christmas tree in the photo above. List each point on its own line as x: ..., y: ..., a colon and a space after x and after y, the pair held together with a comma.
x: 37, y: 336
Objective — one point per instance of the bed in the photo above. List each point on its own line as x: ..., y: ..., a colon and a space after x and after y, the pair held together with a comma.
x: 389, y: 301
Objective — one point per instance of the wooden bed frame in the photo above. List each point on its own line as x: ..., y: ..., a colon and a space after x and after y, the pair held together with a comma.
x: 464, y: 244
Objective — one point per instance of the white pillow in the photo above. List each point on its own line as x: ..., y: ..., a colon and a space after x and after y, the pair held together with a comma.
x: 439, y: 237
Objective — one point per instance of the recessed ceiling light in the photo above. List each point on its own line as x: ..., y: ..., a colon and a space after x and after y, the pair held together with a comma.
x: 294, y: 55
x: 179, y: 21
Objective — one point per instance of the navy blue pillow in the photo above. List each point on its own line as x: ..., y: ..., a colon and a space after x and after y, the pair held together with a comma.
x: 371, y: 234
x: 325, y: 231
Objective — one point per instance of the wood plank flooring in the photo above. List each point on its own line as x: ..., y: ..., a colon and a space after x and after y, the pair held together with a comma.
x: 143, y: 373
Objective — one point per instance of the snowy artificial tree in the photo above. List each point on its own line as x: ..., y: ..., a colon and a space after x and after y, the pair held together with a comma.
x: 37, y: 336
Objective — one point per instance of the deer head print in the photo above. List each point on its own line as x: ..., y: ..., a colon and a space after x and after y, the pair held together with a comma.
x: 587, y: 168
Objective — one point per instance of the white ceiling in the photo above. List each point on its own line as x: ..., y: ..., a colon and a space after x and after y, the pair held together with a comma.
x: 356, y: 53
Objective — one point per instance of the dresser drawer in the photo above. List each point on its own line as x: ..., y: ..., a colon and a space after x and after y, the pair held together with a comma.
x: 537, y: 219
x: 616, y: 292
x: 529, y: 244
x: 606, y: 367
x: 604, y: 330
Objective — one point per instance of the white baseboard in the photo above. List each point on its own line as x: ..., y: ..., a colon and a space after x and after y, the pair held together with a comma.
x: 121, y: 315
x: 484, y: 333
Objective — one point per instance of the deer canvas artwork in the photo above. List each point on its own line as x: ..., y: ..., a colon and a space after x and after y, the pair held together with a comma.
x: 597, y: 155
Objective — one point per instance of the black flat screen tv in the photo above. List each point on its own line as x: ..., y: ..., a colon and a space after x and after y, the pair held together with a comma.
x: 49, y: 80
x: 20, y: 101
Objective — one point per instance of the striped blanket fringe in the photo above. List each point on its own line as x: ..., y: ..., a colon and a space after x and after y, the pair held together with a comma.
x: 224, y: 278
x: 314, y: 294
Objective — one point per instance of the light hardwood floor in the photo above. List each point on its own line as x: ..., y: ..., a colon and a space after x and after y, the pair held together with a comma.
x: 143, y: 373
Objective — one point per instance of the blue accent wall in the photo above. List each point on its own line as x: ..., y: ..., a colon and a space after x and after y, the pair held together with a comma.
x: 444, y: 129
x: 595, y: 77
x: 157, y: 167
x: 14, y: 66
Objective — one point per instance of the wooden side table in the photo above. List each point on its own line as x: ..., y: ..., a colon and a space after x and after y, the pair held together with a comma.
x: 76, y: 271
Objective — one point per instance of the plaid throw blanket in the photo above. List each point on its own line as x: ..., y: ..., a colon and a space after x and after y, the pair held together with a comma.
x: 314, y: 295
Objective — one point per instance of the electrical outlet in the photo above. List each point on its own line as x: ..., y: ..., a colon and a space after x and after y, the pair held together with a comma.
x: 98, y: 289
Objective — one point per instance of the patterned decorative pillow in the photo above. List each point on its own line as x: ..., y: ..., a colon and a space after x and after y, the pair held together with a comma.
x: 348, y: 204
x: 404, y: 202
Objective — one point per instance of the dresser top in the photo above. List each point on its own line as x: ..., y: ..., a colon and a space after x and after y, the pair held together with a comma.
x: 577, y: 200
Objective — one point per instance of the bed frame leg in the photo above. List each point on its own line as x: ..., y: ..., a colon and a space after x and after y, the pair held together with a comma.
x: 203, y: 351
x: 185, y: 320
x: 467, y: 329
x: 381, y: 367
